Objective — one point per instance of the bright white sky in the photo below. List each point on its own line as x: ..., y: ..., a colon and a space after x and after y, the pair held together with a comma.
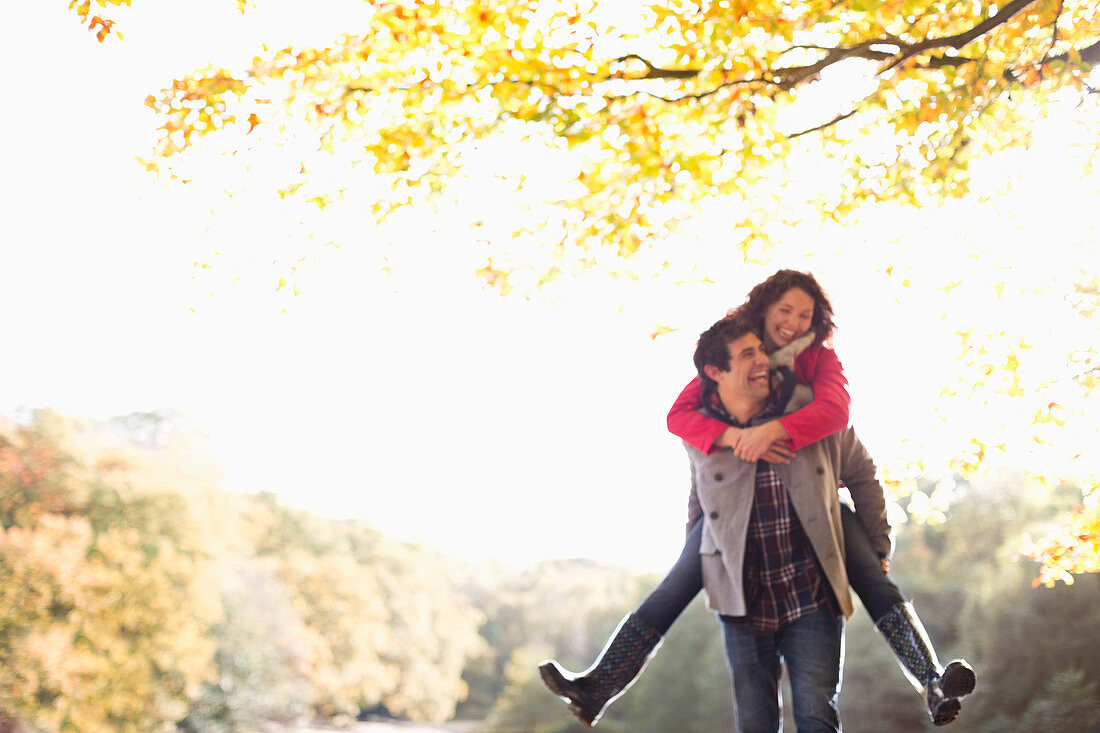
x: 433, y: 409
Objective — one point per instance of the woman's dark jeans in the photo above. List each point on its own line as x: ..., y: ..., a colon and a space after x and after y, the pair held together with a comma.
x: 875, y: 589
x: 683, y: 582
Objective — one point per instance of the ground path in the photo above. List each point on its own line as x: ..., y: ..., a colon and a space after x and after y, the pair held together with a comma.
x: 385, y: 726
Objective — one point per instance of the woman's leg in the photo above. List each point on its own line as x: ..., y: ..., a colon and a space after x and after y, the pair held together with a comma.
x: 899, y: 624
x: 680, y: 586
x: 634, y: 642
x: 875, y: 589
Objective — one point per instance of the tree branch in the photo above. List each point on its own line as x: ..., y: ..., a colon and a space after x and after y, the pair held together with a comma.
x: 787, y: 78
x: 653, y: 72
x: 1053, y: 32
x: 824, y: 125
x: 703, y: 95
x: 1089, y: 54
x: 959, y: 40
x: 790, y: 77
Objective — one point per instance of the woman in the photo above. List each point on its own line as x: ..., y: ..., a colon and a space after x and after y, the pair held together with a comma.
x: 795, y: 320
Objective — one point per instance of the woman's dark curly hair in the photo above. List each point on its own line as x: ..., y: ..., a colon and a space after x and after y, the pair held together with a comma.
x: 763, y: 295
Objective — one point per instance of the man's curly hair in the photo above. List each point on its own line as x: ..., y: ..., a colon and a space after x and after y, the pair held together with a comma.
x: 713, y: 348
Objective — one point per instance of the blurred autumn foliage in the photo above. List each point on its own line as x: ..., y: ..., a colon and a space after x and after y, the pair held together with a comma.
x: 134, y: 595
x: 100, y: 26
x: 662, y: 105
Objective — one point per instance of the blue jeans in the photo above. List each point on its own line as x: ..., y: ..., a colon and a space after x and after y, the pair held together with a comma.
x: 812, y: 647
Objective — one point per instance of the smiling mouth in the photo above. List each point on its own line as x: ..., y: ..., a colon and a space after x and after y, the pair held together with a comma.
x: 759, y: 379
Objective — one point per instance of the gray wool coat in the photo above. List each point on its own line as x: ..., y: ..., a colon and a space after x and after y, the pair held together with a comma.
x: 722, y: 490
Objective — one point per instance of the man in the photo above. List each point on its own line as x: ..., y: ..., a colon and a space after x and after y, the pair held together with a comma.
x: 772, y: 549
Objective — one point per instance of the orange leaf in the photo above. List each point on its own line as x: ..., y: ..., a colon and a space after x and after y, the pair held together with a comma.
x: 661, y: 331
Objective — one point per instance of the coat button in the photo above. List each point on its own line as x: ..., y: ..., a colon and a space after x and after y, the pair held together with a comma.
x: 820, y: 470
x: 714, y: 515
x: 718, y: 477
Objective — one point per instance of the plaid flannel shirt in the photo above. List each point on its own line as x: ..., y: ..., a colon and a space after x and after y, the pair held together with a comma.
x: 782, y: 580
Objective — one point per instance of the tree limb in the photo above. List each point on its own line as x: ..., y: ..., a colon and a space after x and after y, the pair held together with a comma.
x: 787, y: 78
x: 1090, y: 55
x: 703, y: 95
x: 790, y: 77
x: 824, y: 125
x: 959, y: 40
x: 1053, y: 32
x: 653, y: 72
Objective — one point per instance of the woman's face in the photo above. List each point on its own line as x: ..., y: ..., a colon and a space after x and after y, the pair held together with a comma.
x: 788, y: 318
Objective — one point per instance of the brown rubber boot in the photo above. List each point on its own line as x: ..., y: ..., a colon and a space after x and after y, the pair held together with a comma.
x: 943, y: 688
x: 620, y: 663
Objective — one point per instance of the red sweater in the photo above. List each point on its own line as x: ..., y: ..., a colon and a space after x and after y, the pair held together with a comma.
x: 817, y: 366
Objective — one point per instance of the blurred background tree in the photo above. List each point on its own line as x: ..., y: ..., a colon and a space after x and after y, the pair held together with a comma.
x: 105, y: 614
x: 113, y: 619
x: 124, y: 605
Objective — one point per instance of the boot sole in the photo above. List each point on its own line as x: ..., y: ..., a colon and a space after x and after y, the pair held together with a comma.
x: 557, y: 683
x: 946, y: 712
x: 553, y: 679
x: 958, y: 680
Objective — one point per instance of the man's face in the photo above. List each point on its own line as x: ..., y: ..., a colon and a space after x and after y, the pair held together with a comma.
x: 747, y: 376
